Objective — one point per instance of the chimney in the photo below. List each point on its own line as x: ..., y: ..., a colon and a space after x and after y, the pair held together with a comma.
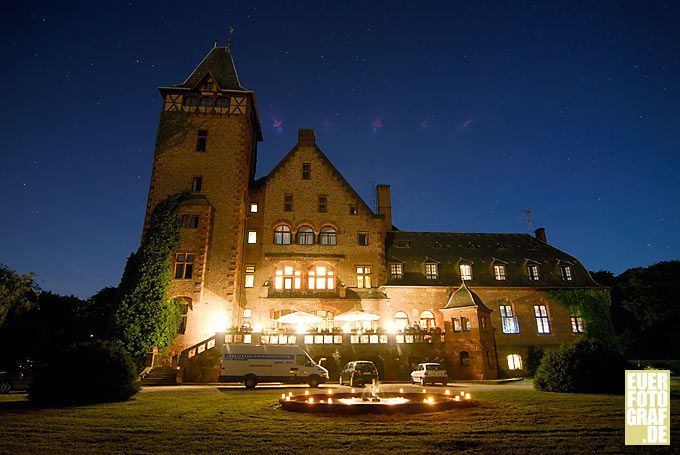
x: 385, y: 204
x: 540, y: 235
x: 306, y: 136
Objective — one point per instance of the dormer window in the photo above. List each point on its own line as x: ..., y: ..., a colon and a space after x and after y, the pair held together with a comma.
x: 499, y: 272
x: 396, y: 271
x: 431, y: 270
x: 466, y: 272
x: 565, y: 271
x: 532, y: 271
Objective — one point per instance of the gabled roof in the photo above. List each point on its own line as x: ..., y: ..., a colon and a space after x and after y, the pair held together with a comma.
x: 451, y: 249
x: 220, y: 65
x: 464, y: 298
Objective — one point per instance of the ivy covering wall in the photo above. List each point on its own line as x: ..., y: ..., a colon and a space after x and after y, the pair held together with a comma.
x: 593, y: 306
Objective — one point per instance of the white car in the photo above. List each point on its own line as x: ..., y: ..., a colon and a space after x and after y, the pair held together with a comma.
x: 429, y: 373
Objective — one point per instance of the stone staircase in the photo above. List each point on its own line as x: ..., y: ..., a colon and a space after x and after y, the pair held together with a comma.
x: 164, y: 375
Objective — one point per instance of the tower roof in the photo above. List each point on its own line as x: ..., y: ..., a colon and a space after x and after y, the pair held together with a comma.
x: 464, y: 297
x: 220, y: 65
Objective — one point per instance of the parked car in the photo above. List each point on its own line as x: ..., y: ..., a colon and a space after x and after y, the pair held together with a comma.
x: 429, y: 373
x: 359, y: 372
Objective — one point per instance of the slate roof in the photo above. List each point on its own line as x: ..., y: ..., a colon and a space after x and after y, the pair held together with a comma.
x: 463, y: 298
x: 220, y: 65
x: 482, y: 251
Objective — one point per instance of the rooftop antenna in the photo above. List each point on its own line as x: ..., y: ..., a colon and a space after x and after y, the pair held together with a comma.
x: 530, y: 219
x: 231, y: 30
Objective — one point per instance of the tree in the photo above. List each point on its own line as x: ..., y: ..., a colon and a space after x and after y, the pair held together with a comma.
x: 17, y: 292
x: 144, y: 315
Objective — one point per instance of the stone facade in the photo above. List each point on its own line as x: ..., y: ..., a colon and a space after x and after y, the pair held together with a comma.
x: 301, y: 239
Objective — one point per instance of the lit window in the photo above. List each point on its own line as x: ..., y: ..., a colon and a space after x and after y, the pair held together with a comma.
x: 305, y: 236
x: 282, y: 235
x: 196, y: 184
x: 566, y: 273
x: 362, y: 238
x: 499, y: 272
x: 532, y: 270
x: 514, y: 362
x: 327, y: 236
x: 400, y: 320
x: 184, y: 315
x: 306, y: 171
x: 287, y: 278
x: 465, y: 272
x: 465, y: 322
x: 431, y: 271
x: 353, y: 210
x: 396, y: 271
x: 253, y: 207
x: 250, y: 276
x: 542, y: 322
x: 252, y: 236
x: 363, y: 277
x: 288, y: 203
x: 247, y: 313
x: 323, y: 204
x: 184, y: 266
x: 508, y: 320
x: 202, y: 141
x: 320, y: 277
x: 427, y: 320
x: 190, y: 221
x: 456, y: 325
x: 577, y: 324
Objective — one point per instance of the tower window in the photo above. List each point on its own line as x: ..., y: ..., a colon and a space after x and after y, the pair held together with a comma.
x: 252, y: 237
x: 282, y: 235
x: 323, y: 204
x: 197, y: 184
x: 247, y: 313
x: 431, y: 271
x: 327, y: 236
x: 363, y: 277
x: 353, y: 210
x: 253, y: 207
x: 499, y: 272
x: 363, y: 238
x: 190, y: 221
x: 184, y: 266
x: 202, y: 141
x: 250, y: 279
x: 288, y: 203
x: 466, y: 272
x: 306, y: 171
x: 566, y: 273
x: 305, y: 236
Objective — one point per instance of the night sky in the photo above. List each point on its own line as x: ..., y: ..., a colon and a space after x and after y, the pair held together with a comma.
x: 472, y: 112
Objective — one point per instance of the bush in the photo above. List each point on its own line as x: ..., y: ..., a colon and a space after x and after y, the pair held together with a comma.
x: 587, y: 366
x: 84, y: 374
x: 534, y: 357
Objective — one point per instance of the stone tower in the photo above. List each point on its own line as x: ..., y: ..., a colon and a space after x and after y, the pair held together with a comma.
x: 207, y: 144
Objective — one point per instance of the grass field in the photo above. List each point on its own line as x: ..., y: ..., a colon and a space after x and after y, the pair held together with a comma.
x: 511, y: 418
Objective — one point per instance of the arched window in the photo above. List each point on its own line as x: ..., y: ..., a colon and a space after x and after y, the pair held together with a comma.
x: 305, y: 236
x: 287, y: 277
x: 247, y: 313
x: 190, y: 101
x: 321, y: 277
x: 465, y: 358
x: 206, y: 101
x: 400, y: 320
x: 184, y: 306
x: 282, y: 235
x: 222, y: 101
x: 514, y: 362
x: 327, y: 236
x: 427, y: 320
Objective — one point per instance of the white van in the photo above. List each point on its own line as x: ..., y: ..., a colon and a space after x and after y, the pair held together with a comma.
x: 251, y: 364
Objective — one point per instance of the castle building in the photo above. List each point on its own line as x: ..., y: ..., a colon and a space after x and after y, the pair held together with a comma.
x: 298, y: 257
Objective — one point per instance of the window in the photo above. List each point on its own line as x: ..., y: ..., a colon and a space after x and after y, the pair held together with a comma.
x: 247, y: 313
x: 327, y: 236
x: 466, y: 272
x: 184, y: 266
x: 206, y: 101
x: 566, y: 273
x: 222, y: 101
x: 353, y: 210
x: 282, y: 235
x: 190, y: 221
x: 305, y: 236
x: 482, y: 320
x: 431, y: 271
x: 253, y: 207
x: 287, y: 278
x: 577, y: 324
x: 288, y: 203
x: 202, y: 141
x: 250, y: 276
x: 499, y: 272
x: 306, y: 171
x: 532, y: 270
x: 400, y: 320
x: 196, y: 184
x: 323, y: 204
x: 320, y: 277
x: 427, y: 320
x: 456, y: 325
x: 508, y: 320
x: 363, y: 277
x: 465, y: 322
x: 184, y: 314
x: 396, y: 271
x: 190, y: 101
x: 542, y: 322
x: 252, y: 237
x: 514, y: 362
x: 362, y: 238
x: 465, y: 358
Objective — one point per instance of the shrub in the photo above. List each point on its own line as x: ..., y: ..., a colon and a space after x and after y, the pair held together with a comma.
x: 534, y: 357
x: 587, y: 366
x: 86, y: 373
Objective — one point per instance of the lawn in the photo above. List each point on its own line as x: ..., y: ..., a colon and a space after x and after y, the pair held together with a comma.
x: 511, y: 418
